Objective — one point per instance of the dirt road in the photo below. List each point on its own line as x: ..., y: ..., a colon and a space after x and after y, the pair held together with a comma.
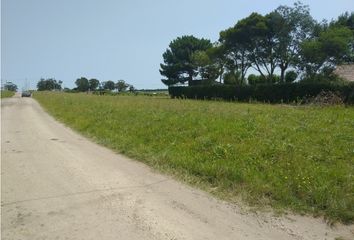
x: 58, y: 185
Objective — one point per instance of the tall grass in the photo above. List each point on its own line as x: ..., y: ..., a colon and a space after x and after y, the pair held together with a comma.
x: 6, y: 94
x: 298, y: 158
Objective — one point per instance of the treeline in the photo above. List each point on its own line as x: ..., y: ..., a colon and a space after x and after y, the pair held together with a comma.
x: 284, y: 45
x: 84, y: 85
x: 9, y: 86
x: 49, y: 84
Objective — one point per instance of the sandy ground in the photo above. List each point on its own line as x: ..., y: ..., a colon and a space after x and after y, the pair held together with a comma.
x: 58, y: 185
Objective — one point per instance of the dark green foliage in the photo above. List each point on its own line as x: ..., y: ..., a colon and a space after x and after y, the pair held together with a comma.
x: 9, y: 86
x: 255, y: 79
x: 264, y: 43
x: 233, y: 78
x: 292, y: 26
x: 93, y: 84
x: 347, y: 20
x: 121, y: 85
x: 290, y: 76
x: 132, y: 88
x: 325, y: 51
x: 326, y: 76
x: 287, y: 37
x: 207, y: 70
x: 169, y: 82
x: 254, y: 42
x: 238, y: 44
x: 82, y: 84
x: 48, y: 84
x: 259, y: 79
x: 272, y: 93
x: 108, y: 85
x: 267, y: 42
x: 178, y: 63
x: 218, y: 60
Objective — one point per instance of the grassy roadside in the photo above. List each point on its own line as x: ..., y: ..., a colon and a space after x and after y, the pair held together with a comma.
x: 6, y: 94
x: 298, y: 158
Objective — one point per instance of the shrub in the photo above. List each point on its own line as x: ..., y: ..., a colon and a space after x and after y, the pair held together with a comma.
x: 272, y: 93
x: 256, y: 79
x: 232, y: 78
x: 290, y: 76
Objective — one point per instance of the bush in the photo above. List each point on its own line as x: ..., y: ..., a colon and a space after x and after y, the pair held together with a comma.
x: 290, y: 76
x: 272, y: 93
x: 232, y: 78
x: 327, y: 76
x: 258, y: 79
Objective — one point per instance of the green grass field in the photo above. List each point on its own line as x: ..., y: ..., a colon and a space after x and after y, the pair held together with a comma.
x: 287, y: 157
x: 6, y: 94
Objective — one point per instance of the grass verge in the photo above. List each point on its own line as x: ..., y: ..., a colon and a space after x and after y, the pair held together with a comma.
x: 297, y: 158
x: 6, y: 94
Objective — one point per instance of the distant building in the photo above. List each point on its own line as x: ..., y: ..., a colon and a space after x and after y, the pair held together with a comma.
x: 346, y: 72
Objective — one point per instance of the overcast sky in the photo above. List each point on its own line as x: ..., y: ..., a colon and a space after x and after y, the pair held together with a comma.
x: 116, y: 39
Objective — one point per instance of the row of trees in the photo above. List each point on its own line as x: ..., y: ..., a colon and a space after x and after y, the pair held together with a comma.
x: 83, y: 85
x: 49, y: 84
x: 9, y: 86
x: 287, y: 40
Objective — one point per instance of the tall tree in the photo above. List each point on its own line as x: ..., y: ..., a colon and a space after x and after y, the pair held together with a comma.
x: 205, y: 67
x: 9, y: 86
x: 93, y: 84
x: 82, y: 84
x: 292, y: 25
x: 48, y: 84
x: 264, y: 43
x: 217, y: 56
x: 326, y: 50
x: 251, y: 43
x: 121, y: 85
x: 132, y: 88
x: 346, y: 20
x: 238, y: 46
x: 108, y: 85
x: 178, y: 65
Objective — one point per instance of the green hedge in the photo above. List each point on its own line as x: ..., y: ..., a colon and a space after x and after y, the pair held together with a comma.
x: 272, y: 93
